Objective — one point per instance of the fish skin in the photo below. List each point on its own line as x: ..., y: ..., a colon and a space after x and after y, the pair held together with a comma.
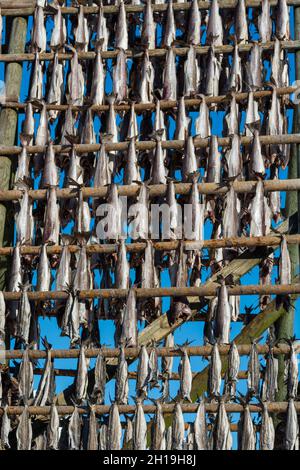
x: 14, y: 283
x: 247, y: 435
x: 257, y: 161
x: 122, y: 278
x: 214, y: 32
x: 254, y: 68
x: 83, y: 281
x: 129, y: 321
x: 222, y: 315
x: 132, y: 130
x: 139, y: 227
x: 153, y: 368
x: 197, y: 215
x: 235, y: 79
x: 103, y: 169
x: 87, y: 130
x: 270, y: 386
x: 103, y: 437
x: 265, y: 22
x: 260, y: 213
x: 241, y: 22
x: 148, y: 27
x: 5, y: 429
x: 182, y: 121
x: 175, y: 232
x: 92, y: 443
x: 81, y: 382
x: 285, y: 267
x: 146, y: 83
x: 282, y: 21
x: 36, y: 86
x: 275, y: 126
x: 200, y: 430
x: 158, y: 169
x: 74, y: 430
x: 231, y: 120
x: 231, y: 214
x: 170, y: 27
x: 143, y: 373
x: 75, y: 80
x: 234, y: 158
x: 44, y: 271
x: 98, y: 82
x: 252, y: 121
x: 114, y: 429
x: 28, y: 124
x: 212, y: 73
x: 278, y: 65
x: 59, y: 32
x: 25, y: 378
x: 121, y: 384
x: 177, y: 428
x: 291, y: 373
x: 68, y: 128
x: 215, y: 370
x: 102, y: 31
x: 202, y: 124
x: 189, y: 163
x: 267, y: 431
x: 56, y: 87
x: 139, y: 428
x: 50, y: 176
x: 186, y: 377
x: 149, y: 279
x: 194, y: 25
x: 158, y: 429
x: 100, y: 379
x: 253, y: 372
x: 81, y: 33
x: 52, y: 220
x: 83, y: 220
x: 63, y: 272
x: 46, y: 389
x: 291, y: 439
x: 42, y: 139
x: 121, y: 34
x: 113, y: 221
x: 53, y: 429
x: 24, y: 220
x: 169, y: 77
x: 232, y: 371
x: 24, y: 317
x: 131, y: 170
x: 70, y: 322
x: 213, y: 170
x: 167, y: 361
x: 38, y: 38
x: 222, y: 434
x: 24, y: 431
x: 111, y: 125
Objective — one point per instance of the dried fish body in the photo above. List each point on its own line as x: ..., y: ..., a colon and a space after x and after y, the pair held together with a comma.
x: 260, y: 213
x: 265, y: 22
x: 44, y: 271
x: 254, y: 68
x: 213, y: 170
x: 25, y: 377
x: 175, y: 231
x: 167, y: 361
x: 42, y: 138
x: 232, y: 118
x: 39, y: 38
x: 63, y: 273
x: 98, y: 82
x: 53, y: 429
x: 24, y: 317
x: 51, y: 221
x: 121, y: 384
x: 14, y: 283
x: 114, y: 219
x: 215, y: 371
x: 177, y: 428
x: 285, y: 269
x: 111, y: 125
x: 169, y: 438
x: 5, y: 429
x: 189, y: 163
x: 275, y: 126
x: 122, y: 278
x: 74, y: 430
x: 24, y: 431
x: 50, y: 175
x: 267, y: 431
x: 278, y: 75
x: 231, y: 378
x: 59, y: 33
x: 81, y: 382
x: 146, y: 82
x: 45, y: 391
x: 121, y: 34
x: 222, y: 434
x: 194, y: 25
x: 170, y: 77
x: 234, y: 158
x: 194, y: 231
x: 87, y: 131
x: 56, y: 86
x: 253, y: 371
x: 83, y: 220
x: 103, y: 437
x: 282, y: 21
x: 192, y: 73
x: 104, y: 168
x: 102, y: 31
x: 24, y: 220
x: 133, y: 130
x: 148, y: 28
x: 2, y: 322
x: 92, y: 443
x: 100, y: 379
x: 143, y: 373
x: 200, y: 430
x: 129, y: 323
x: 158, y: 169
x: 70, y: 323
x: 257, y: 163
x: 270, y: 387
x: 291, y: 373
x: 247, y: 437
x: 241, y: 22
x: 182, y: 121
x: 186, y: 377
x: 212, y: 74
x: 83, y: 281
x: 139, y: 428
x: 82, y: 31
x: 68, y: 128
x: 158, y: 430
x: 159, y: 122
x: 120, y: 77
x: 153, y: 368
x: 214, y: 33
x: 131, y: 170
x: 139, y: 227
x: 252, y: 120
x: 170, y: 28
x: 75, y: 81
x: 291, y: 441
x: 202, y: 124
x: 36, y: 87
x: 231, y: 214
x: 28, y: 125
x: 222, y: 316
x: 235, y: 78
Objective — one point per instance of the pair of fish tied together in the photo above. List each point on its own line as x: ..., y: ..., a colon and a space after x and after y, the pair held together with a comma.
x: 130, y: 107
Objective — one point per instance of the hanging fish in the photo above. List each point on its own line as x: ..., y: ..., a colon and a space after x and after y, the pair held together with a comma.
x: 265, y: 22
x: 282, y: 21
x: 75, y: 80
x: 56, y: 87
x: 131, y: 170
x: 51, y: 220
x: 231, y: 121
x: 215, y: 372
x: 182, y: 121
x: 50, y: 176
x: 129, y: 321
x: 189, y: 163
x: 148, y: 27
x: 260, y: 213
x: 186, y: 376
x: 267, y: 431
x: 231, y: 377
x: 202, y: 124
x: 41, y: 139
x: 110, y: 227
x: 53, y: 429
x: 158, y: 169
x: 102, y: 31
x: 175, y: 232
x: 145, y: 86
x: 24, y: 220
x: 247, y: 435
x: 270, y: 386
x: 233, y: 157
x: 177, y: 428
x: 59, y: 32
x: 222, y: 434
x: 46, y: 389
x: 254, y: 68
x: 70, y: 322
x: 28, y: 125
x: 235, y: 80
x: 104, y: 168
x: 285, y: 273
x: 121, y: 34
x: 291, y: 439
x: 231, y: 214
x: 252, y: 120
x: 68, y: 128
x: 128, y: 435
x: 169, y: 438
x: 170, y: 27
x: 98, y: 81
x: 122, y: 269
x: 74, y: 430
x: 83, y: 281
x: 24, y: 430
x: 241, y: 22
x: 82, y: 33
x: 121, y: 383
x: 5, y: 429
x: 200, y: 429
x: 14, y: 285
x: 44, y: 271
x: 257, y: 164
x: 81, y: 382
x: 83, y: 219
x: 149, y: 308
x: 194, y: 25
x: 214, y: 33
x: 120, y: 78
x: 36, y: 86
x: 63, y: 272
x: 139, y: 428
x: 24, y: 316
x: 25, y: 377
x: 212, y: 73
x: 100, y: 379
x: 153, y: 368
x: 158, y: 429
x: 291, y: 372
x: 139, y: 227
x: 169, y: 77
x: 143, y: 373
x: 39, y: 38
x: 2, y: 321
x: 253, y: 371
x: 92, y: 443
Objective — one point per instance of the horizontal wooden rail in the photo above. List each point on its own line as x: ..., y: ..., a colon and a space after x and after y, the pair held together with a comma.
x: 278, y: 407
x: 234, y: 242
x: 149, y: 145
x: 164, y: 104
x: 130, y: 353
x: 159, y: 52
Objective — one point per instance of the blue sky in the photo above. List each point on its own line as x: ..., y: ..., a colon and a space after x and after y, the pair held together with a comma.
x: 193, y: 331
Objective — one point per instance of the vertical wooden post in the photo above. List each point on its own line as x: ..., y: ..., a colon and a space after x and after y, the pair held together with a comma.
x: 8, y: 127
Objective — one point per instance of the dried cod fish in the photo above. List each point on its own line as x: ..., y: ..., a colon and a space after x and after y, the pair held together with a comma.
x: 267, y: 431
x: 56, y: 86
x: 291, y: 439
x: 98, y: 82
x: 177, y: 428
x: 24, y: 316
x: 291, y: 372
x: 24, y: 431
x: 53, y: 429
x: 194, y: 25
x: 222, y: 434
x: 214, y: 32
x: 44, y: 271
x: 215, y: 371
x: 282, y: 21
x: 121, y: 34
x: 38, y: 38
x: 247, y: 435
x: 92, y: 443
x: 200, y: 429
x: 260, y: 213
x: 253, y: 371
x: 129, y: 321
x: 5, y: 429
x: 169, y: 77
x: 81, y: 382
x: 143, y: 373
x: 59, y: 32
x: 186, y: 376
x: 139, y: 428
x: 120, y: 77
x: 121, y: 384
x: 241, y: 22
x: 231, y: 377
x: 265, y: 22
x: 24, y: 220
x: 148, y: 28
x: 75, y: 80
x: 170, y: 27
x: 145, y: 87
x: 269, y: 386
x: 100, y: 379
x: 158, y: 429
x: 36, y: 86
x: 46, y: 389
x: 82, y: 33
x: 51, y: 220
x: 74, y: 430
